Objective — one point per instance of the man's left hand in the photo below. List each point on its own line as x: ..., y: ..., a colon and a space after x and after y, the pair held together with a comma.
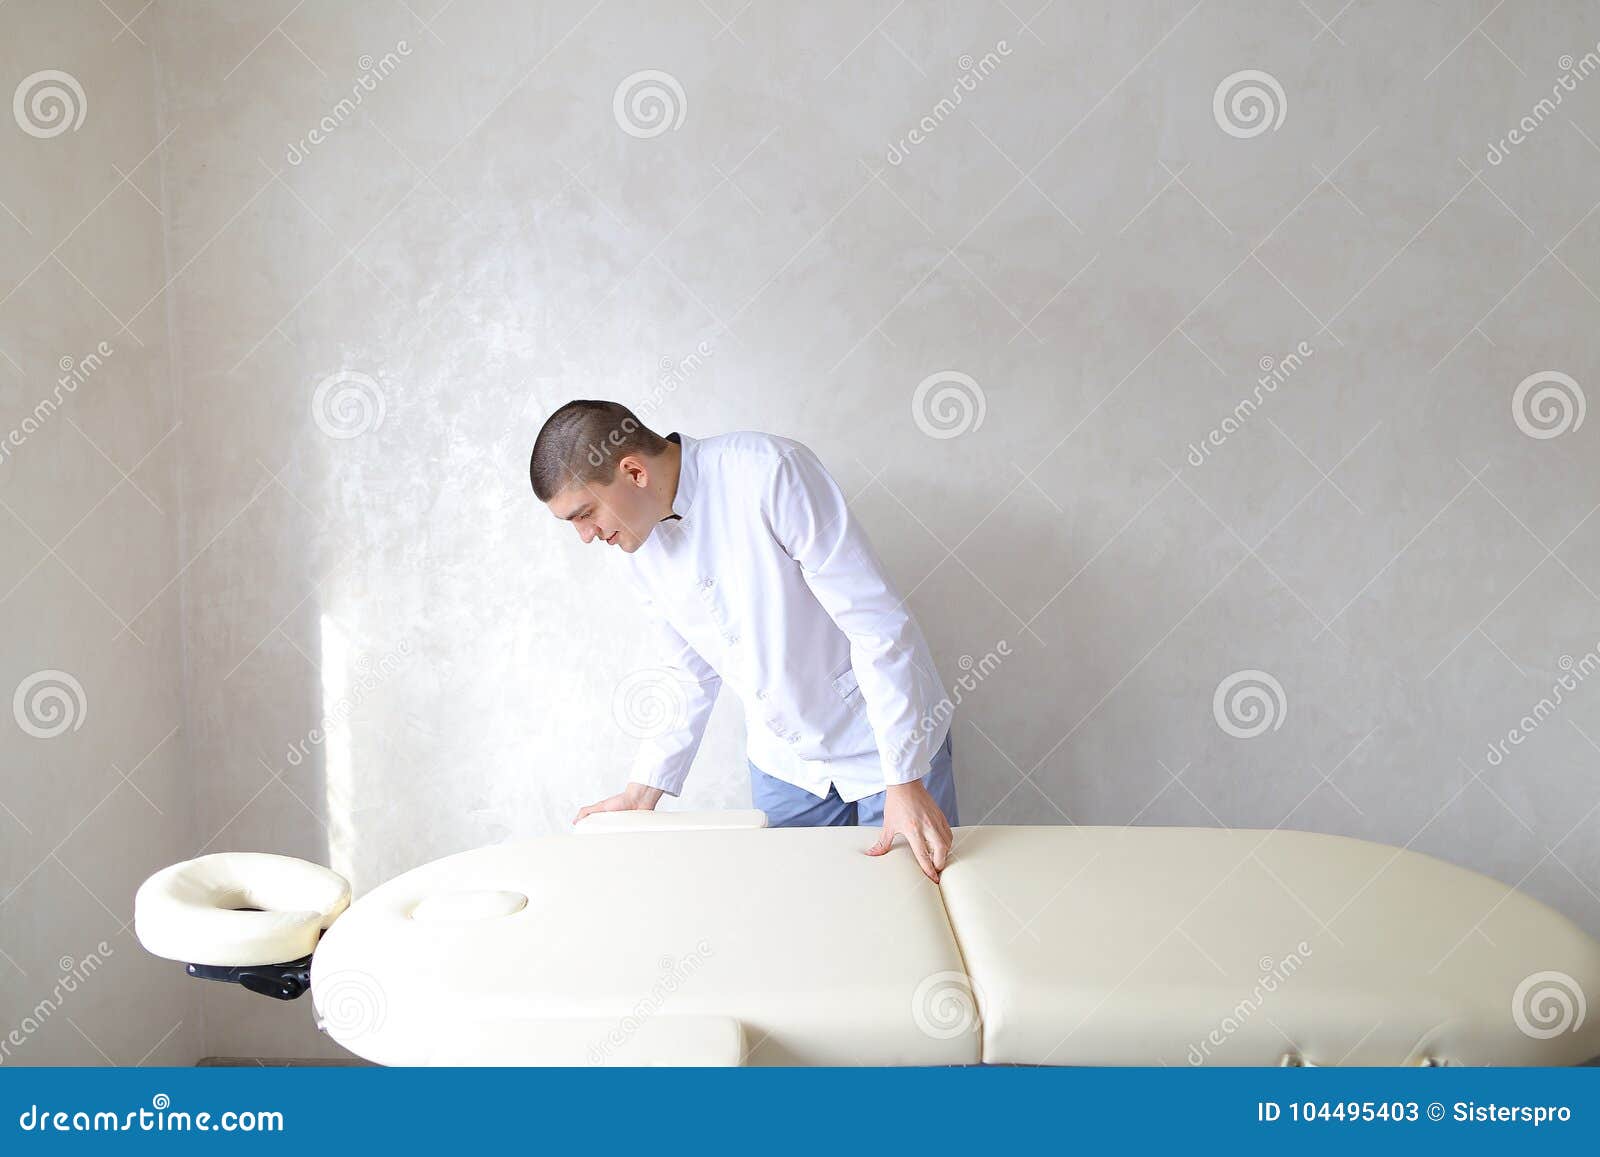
x: 910, y: 811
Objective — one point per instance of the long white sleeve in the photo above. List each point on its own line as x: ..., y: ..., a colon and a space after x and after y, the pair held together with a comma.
x: 672, y: 698
x: 810, y: 518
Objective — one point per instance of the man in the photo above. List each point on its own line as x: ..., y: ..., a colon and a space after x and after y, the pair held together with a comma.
x: 754, y: 572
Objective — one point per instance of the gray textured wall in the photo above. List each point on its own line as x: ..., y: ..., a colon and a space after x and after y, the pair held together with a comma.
x: 1016, y: 272
x: 95, y: 784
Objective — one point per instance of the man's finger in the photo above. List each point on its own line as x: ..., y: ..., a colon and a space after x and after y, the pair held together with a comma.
x: 938, y: 847
x: 885, y: 842
x: 914, y: 838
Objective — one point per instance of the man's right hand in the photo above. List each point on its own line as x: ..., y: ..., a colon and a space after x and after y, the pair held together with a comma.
x: 636, y: 797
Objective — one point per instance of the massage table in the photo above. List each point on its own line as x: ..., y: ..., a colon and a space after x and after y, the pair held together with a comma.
x: 658, y: 938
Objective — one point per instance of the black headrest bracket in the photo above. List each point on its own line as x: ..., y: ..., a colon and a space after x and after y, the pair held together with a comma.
x: 284, y: 981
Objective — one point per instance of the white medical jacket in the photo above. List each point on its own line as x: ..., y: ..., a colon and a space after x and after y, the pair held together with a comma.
x: 766, y: 582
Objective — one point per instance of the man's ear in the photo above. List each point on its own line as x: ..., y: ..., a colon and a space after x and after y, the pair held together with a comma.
x: 633, y: 469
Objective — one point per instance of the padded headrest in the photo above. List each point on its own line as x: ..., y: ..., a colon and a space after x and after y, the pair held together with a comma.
x: 199, y: 911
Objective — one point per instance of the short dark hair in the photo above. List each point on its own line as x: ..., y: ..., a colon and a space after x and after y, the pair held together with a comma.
x: 582, y: 442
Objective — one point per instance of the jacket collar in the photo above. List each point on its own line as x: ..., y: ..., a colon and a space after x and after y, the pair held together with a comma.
x: 688, y: 473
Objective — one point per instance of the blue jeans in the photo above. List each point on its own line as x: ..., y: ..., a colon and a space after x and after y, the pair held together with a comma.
x: 788, y: 806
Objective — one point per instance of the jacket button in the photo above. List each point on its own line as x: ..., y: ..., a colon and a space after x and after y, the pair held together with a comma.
x: 760, y: 694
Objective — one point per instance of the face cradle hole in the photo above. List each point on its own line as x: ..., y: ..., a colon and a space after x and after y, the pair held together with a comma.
x: 467, y: 907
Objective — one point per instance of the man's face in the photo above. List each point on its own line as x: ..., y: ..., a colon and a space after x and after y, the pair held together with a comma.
x: 617, y: 513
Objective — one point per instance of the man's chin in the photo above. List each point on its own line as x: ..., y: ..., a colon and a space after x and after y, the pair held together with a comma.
x: 627, y: 545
